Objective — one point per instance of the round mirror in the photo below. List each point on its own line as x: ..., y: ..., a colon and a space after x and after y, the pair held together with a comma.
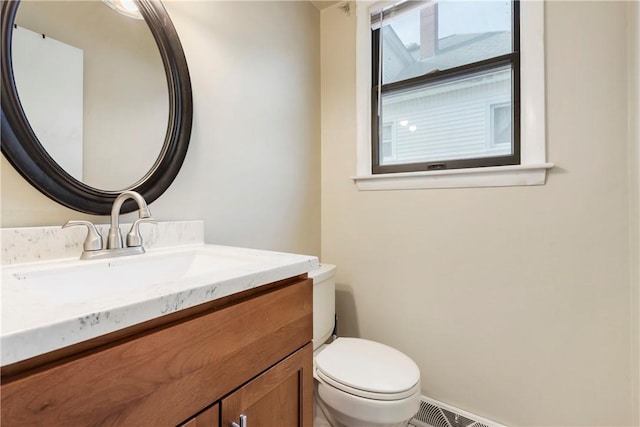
x: 93, y: 102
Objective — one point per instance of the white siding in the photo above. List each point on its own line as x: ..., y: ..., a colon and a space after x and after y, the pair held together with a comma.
x: 449, y: 124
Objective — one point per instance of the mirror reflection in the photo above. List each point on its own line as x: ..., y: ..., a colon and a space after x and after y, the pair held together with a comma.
x: 93, y: 87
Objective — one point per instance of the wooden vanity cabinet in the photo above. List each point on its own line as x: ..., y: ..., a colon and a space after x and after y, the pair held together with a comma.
x: 248, y: 354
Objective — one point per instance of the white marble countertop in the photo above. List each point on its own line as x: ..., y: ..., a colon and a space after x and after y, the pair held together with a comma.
x: 39, y: 319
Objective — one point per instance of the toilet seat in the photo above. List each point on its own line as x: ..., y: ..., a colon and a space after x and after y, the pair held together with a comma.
x: 367, y: 394
x: 367, y: 369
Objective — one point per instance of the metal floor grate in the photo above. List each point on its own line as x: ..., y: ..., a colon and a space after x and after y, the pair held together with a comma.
x: 430, y: 415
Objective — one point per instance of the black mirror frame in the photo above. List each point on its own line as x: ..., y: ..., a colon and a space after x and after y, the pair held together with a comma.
x: 24, y: 151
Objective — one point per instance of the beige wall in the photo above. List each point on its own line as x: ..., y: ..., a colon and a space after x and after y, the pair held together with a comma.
x: 634, y: 216
x: 252, y: 172
x: 516, y: 302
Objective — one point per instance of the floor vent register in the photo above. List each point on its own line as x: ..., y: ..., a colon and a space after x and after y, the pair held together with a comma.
x: 436, y: 414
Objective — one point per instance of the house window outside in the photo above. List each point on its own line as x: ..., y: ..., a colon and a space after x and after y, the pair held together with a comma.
x: 387, y: 144
x: 435, y: 67
x: 500, y: 125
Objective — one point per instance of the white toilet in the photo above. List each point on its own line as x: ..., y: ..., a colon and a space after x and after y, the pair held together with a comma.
x: 358, y: 383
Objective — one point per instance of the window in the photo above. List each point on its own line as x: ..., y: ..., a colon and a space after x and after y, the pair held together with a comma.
x: 435, y: 68
x: 532, y: 169
x: 387, y: 147
x: 500, y: 125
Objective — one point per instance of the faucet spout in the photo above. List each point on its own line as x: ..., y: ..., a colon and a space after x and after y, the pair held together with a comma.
x: 114, y: 239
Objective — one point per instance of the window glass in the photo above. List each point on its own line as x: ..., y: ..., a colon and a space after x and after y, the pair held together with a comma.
x: 445, y: 85
x: 441, y: 35
x: 448, y: 119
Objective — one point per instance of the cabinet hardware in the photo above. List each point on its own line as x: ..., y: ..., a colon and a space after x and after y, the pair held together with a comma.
x: 243, y: 422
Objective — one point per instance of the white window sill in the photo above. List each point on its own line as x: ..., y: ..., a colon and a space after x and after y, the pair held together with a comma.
x: 497, y: 176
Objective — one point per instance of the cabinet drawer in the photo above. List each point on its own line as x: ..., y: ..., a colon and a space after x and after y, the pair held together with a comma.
x: 168, y: 374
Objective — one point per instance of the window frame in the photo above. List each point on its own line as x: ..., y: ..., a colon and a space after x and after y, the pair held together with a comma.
x: 512, y: 59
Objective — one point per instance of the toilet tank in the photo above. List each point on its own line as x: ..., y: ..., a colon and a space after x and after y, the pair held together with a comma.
x: 324, y: 303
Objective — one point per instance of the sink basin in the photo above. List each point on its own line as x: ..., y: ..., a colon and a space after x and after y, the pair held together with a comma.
x: 77, y: 281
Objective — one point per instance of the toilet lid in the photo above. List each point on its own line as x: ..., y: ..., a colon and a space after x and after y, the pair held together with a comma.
x: 354, y: 364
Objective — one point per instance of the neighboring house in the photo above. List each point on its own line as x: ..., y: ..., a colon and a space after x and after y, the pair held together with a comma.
x: 463, y: 118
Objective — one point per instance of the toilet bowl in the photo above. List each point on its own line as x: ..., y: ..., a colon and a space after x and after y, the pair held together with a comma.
x: 358, y: 382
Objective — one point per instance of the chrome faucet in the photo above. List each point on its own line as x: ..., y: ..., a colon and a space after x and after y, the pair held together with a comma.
x: 114, y: 239
x: 114, y: 248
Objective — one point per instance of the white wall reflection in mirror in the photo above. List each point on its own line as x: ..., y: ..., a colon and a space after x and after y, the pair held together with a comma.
x: 125, y: 93
x: 48, y: 76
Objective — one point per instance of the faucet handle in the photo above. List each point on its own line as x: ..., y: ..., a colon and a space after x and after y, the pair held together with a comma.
x: 93, y: 242
x: 134, y: 238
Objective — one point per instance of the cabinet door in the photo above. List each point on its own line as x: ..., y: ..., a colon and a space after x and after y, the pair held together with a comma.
x: 282, y: 396
x: 208, y: 418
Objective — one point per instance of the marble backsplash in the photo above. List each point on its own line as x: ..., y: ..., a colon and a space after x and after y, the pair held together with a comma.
x: 31, y: 244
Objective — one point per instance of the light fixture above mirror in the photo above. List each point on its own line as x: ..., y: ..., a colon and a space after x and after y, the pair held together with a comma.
x: 125, y: 7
